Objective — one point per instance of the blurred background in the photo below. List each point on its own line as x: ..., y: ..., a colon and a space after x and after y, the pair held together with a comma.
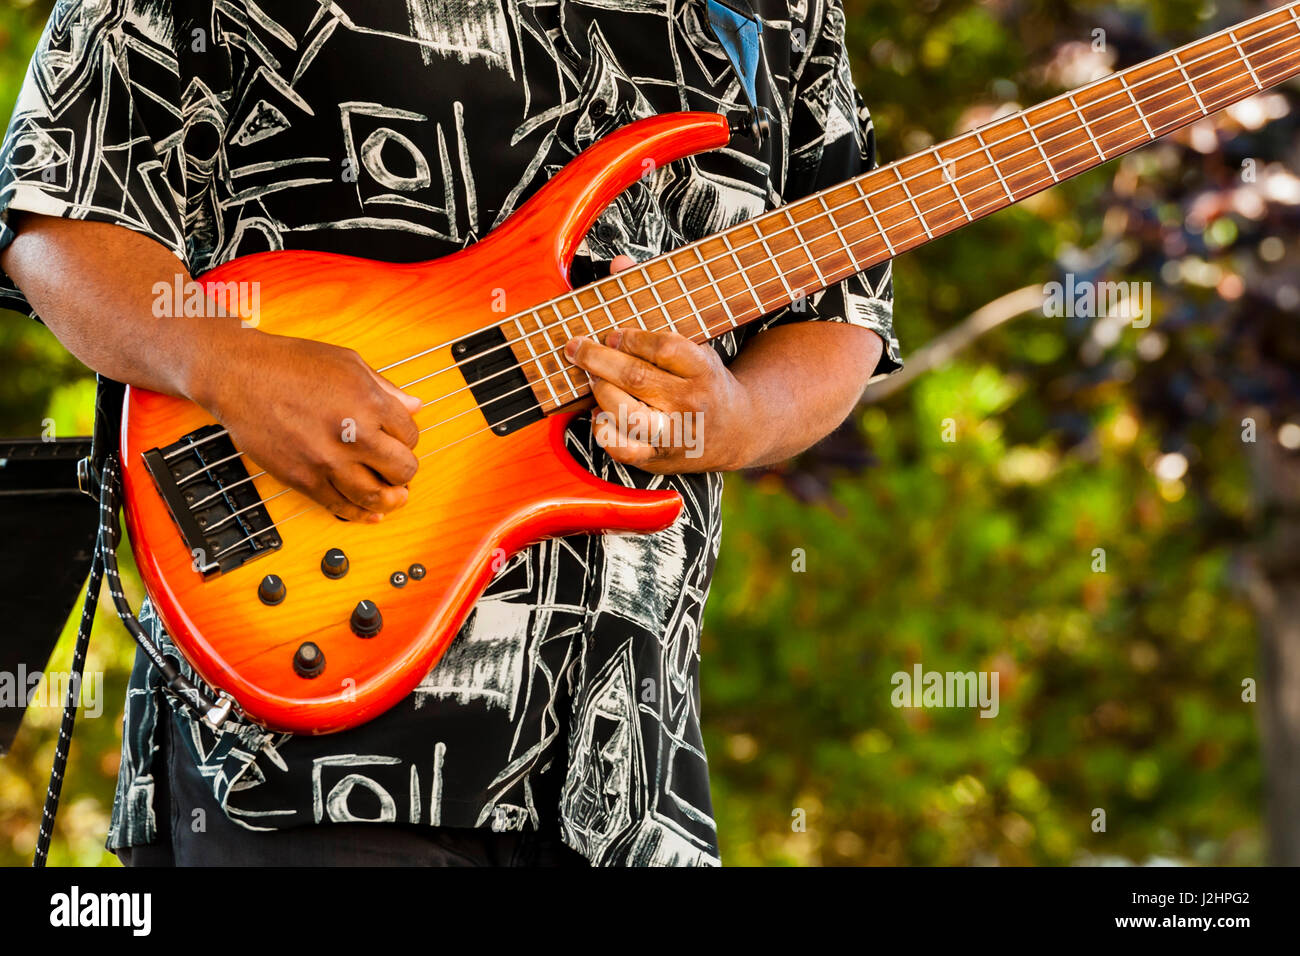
x: 955, y: 521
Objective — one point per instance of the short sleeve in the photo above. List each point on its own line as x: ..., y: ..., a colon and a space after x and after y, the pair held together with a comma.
x: 832, y: 140
x: 97, y: 130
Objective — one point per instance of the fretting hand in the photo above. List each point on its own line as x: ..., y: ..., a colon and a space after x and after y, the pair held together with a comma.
x: 664, y: 403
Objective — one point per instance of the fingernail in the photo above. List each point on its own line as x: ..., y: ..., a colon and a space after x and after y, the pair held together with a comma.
x: 571, y: 347
x: 614, y: 338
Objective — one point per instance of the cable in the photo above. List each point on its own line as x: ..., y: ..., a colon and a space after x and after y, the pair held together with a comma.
x: 104, y: 565
x: 63, y: 746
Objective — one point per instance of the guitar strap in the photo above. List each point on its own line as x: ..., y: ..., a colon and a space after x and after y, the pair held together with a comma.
x: 737, y: 28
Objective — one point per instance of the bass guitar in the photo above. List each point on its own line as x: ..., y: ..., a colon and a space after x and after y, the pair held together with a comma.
x: 314, y: 625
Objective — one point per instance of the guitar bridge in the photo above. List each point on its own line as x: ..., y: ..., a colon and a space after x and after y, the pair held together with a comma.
x: 208, y: 492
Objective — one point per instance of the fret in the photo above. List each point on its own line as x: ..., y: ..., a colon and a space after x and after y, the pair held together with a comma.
x: 631, y: 305
x: 1087, y: 129
x: 812, y: 260
x: 951, y: 180
x: 993, y: 163
x: 908, y: 193
x: 1296, y: 17
x: 848, y: 247
x: 690, y: 303
x: 776, y: 266
x: 876, y: 219
x: 1232, y: 35
x: 713, y: 283
x: 1142, y: 116
x: 537, y: 361
x: 564, y: 322
x: 744, y: 275
x: 564, y: 372
x: 663, y: 309
x: 582, y: 314
x: 1024, y: 118
x: 603, y: 304
x: 1192, y: 86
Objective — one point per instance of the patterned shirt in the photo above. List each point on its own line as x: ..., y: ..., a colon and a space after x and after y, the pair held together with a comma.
x: 403, y: 131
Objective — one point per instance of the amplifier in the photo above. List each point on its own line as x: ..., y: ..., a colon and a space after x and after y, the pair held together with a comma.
x: 47, y: 535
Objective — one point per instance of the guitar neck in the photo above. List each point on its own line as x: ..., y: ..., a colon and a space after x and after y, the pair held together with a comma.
x: 709, y: 287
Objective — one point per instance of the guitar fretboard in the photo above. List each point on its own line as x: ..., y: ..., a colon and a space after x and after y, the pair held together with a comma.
x: 719, y: 283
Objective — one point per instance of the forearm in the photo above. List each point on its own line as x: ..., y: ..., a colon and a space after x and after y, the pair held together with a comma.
x: 802, y: 381
x: 93, y: 285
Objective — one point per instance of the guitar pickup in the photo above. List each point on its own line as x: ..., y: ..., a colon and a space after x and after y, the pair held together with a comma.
x: 212, y: 500
x: 496, y: 381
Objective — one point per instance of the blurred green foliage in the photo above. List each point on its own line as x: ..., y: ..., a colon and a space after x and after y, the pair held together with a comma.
x: 888, y: 546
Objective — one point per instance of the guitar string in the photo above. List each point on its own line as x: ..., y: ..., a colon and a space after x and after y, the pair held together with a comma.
x: 725, y: 301
x: 1128, y: 144
x: 627, y: 295
x: 624, y: 295
x: 857, y: 201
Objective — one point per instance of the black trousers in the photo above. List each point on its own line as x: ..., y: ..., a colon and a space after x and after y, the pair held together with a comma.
x: 179, y: 794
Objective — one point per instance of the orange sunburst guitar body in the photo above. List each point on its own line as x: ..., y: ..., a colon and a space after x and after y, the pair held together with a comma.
x: 477, y: 494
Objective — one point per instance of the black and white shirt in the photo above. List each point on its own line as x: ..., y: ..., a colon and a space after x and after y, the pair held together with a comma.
x: 403, y: 130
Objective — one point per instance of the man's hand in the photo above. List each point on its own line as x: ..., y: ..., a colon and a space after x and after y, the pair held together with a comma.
x: 667, y: 405
x: 664, y: 403
x: 323, y: 422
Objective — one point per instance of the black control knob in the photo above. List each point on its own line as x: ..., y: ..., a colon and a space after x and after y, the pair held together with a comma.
x: 271, y: 591
x: 366, y: 619
x: 334, y: 564
x: 309, y: 661
x: 416, y: 572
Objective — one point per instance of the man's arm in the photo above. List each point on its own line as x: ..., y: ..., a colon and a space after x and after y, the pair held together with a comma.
x: 805, y: 378
x: 282, y: 399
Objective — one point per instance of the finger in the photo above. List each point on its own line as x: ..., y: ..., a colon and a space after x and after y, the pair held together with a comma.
x: 635, y: 376
x: 640, y: 432
x: 617, y: 444
x: 392, y: 459
x: 670, y: 351
x: 366, y: 490
x: 619, y: 263
x: 395, y: 415
x: 410, y: 402
x: 326, y: 494
x: 626, y: 411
